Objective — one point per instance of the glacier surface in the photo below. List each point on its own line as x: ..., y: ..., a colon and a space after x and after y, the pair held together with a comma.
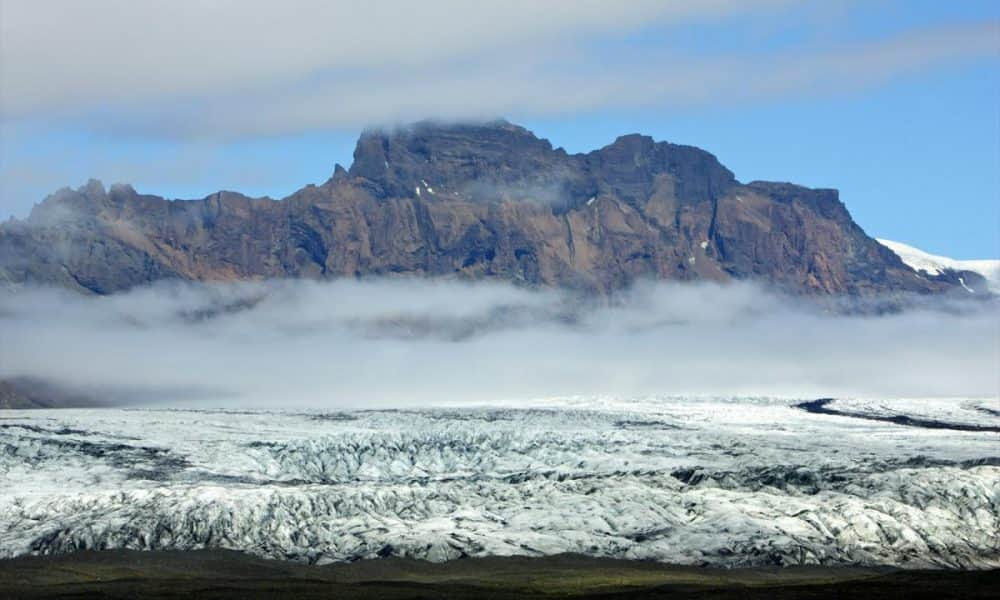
x: 725, y: 481
x: 918, y: 260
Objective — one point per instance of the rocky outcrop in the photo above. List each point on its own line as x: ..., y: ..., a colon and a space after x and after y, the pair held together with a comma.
x: 470, y: 201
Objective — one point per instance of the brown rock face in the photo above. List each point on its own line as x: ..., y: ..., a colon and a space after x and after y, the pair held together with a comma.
x: 470, y: 201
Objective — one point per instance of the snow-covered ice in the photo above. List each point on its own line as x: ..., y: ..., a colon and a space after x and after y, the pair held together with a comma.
x: 725, y: 481
x: 919, y: 260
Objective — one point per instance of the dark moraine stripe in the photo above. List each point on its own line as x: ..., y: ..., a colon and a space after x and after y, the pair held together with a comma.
x: 820, y: 407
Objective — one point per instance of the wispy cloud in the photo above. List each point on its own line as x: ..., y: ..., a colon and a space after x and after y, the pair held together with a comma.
x: 110, y: 50
x: 404, y: 342
x: 227, y: 69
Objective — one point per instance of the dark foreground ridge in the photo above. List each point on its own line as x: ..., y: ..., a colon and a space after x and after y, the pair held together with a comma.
x: 473, y: 201
x: 819, y: 407
x: 27, y: 392
x: 226, y: 574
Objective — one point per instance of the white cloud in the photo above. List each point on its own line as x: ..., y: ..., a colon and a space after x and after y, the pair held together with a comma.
x: 399, y: 342
x: 231, y: 69
x: 569, y: 85
x: 107, y: 50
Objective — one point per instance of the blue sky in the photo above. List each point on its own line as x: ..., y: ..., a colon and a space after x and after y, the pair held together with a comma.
x: 897, y: 104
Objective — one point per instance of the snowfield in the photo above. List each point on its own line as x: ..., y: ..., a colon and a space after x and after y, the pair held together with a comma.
x: 918, y: 260
x: 694, y: 481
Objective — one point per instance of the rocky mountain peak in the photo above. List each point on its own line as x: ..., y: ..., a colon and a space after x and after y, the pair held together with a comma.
x: 66, y: 204
x: 499, y: 161
x: 483, y: 161
x: 92, y: 189
x: 634, y: 165
x: 472, y: 200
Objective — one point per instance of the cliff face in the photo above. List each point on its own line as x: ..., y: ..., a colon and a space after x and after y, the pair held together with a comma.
x: 469, y: 201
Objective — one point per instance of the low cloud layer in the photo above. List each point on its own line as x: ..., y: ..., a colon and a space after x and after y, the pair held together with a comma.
x: 417, y: 342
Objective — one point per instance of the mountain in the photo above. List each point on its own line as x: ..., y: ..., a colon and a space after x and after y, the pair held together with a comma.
x: 941, y: 266
x: 488, y: 200
x: 27, y: 392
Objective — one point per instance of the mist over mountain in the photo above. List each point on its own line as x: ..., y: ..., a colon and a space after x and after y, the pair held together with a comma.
x: 474, y: 201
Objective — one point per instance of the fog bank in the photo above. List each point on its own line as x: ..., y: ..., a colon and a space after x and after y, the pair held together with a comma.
x: 404, y: 342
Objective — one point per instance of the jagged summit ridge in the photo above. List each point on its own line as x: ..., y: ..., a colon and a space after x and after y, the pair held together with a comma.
x: 500, y: 161
x: 487, y: 200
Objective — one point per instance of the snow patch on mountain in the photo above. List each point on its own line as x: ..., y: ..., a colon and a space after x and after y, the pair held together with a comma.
x: 919, y: 260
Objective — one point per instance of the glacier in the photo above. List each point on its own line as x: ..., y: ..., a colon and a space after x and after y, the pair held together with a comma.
x: 698, y: 481
x: 918, y: 260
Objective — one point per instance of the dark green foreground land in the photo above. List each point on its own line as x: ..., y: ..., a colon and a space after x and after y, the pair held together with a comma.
x: 222, y: 574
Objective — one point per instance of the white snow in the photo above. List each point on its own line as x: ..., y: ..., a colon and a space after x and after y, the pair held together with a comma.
x: 592, y: 200
x: 704, y: 245
x: 722, y: 481
x: 932, y: 264
x: 417, y: 189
